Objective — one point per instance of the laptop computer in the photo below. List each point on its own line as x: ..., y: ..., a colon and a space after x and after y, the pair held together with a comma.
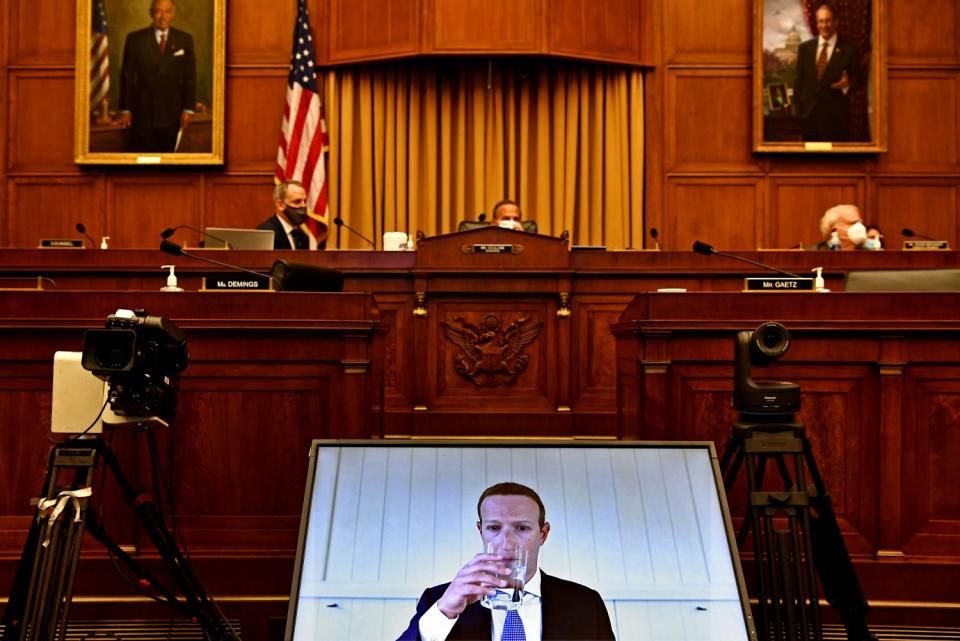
x: 239, y: 238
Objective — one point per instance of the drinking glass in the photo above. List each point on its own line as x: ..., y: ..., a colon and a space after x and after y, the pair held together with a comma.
x: 515, y: 558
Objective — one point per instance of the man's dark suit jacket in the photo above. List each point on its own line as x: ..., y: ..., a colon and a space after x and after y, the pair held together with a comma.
x: 280, y: 240
x: 824, y: 112
x: 571, y: 612
x: 156, y: 88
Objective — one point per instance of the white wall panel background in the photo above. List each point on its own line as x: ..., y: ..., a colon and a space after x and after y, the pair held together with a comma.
x: 642, y: 525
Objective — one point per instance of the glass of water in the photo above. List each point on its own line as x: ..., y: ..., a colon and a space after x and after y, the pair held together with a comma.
x: 515, y: 558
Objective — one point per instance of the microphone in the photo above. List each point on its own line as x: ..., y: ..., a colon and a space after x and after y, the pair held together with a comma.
x: 706, y: 250
x: 174, y: 249
x: 80, y: 227
x: 655, y: 235
x: 909, y: 233
x: 169, y: 231
x: 482, y: 217
x: 339, y: 223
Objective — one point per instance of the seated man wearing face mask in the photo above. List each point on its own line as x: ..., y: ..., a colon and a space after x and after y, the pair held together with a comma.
x: 287, y: 222
x: 846, y: 222
x: 874, y: 239
x: 506, y: 213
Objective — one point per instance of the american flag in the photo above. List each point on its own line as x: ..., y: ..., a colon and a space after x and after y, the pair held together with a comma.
x: 99, y: 56
x: 303, y: 137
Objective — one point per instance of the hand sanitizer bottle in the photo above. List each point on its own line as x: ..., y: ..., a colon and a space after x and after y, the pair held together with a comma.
x: 818, y: 284
x: 834, y: 243
x: 171, y: 281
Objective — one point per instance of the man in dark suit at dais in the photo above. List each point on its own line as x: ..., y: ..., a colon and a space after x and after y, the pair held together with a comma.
x: 826, y: 70
x: 158, y: 82
x: 550, y: 609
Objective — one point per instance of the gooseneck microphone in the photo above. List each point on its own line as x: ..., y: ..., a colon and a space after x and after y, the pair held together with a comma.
x: 169, y: 231
x: 909, y: 233
x: 339, y: 223
x: 706, y: 250
x: 80, y: 227
x: 174, y: 249
x: 655, y: 235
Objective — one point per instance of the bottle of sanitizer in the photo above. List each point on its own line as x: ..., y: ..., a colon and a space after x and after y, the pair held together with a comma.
x: 818, y: 283
x: 171, y: 281
x: 834, y: 243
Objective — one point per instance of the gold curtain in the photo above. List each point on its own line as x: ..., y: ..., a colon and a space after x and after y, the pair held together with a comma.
x: 422, y: 145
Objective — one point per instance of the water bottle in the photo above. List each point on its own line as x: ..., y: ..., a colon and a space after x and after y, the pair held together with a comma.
x: 834, y: 243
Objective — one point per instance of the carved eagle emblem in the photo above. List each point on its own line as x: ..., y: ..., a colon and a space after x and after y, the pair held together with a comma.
x: 489, y: 355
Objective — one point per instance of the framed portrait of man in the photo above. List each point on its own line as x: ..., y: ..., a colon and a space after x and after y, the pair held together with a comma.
x: 149, y: 86
x: 819, y: 76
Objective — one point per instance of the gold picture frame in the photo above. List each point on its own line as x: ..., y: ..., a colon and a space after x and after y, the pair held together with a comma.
x: 832, y: 105
x: 113, y: 102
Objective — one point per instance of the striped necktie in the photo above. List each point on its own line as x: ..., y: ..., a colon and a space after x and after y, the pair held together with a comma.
x: 513, y: 628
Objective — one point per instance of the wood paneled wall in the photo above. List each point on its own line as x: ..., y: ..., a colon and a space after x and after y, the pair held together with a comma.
x: 704, y: 181
x: 43, y: 194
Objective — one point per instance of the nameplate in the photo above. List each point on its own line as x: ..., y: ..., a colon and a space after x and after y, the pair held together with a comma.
x: 778, y: 284
x: 232, y: 282
x: 492, y: 248
x: 926, y: 245
x: 61, y: 243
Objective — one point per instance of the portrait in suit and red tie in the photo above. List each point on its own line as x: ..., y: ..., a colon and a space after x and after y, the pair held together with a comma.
x: 151, y: 81
x: 820, y: 83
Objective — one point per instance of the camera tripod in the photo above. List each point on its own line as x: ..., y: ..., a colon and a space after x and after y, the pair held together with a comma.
x: 43, y: 585
x: 788, y: 561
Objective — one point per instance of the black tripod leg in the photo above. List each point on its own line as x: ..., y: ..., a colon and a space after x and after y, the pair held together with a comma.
x: 731, y: 461
x: 12, y: 618
x: 39, y: 608
x: 98, y: 533
x: 841, y: 587
x: 182, y: 571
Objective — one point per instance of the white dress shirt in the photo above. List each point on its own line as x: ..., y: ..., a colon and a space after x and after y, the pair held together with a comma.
x: 831, y: 45
x: 288, y: 228
x: 435, y: 626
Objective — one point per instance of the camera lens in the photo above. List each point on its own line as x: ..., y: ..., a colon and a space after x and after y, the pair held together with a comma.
x: 109, y: 350
x: 771, y: 339
x: 111, y: 356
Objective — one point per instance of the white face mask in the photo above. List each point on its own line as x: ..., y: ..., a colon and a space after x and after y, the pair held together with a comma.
x: 871, y: 243
x: 857, y: 233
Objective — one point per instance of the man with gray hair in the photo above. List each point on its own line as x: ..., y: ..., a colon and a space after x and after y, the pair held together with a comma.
x: 846, y: 221
x: 290, y: 214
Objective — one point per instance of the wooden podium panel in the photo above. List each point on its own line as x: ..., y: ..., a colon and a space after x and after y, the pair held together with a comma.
x: 569, y: 385
x: 880, y: 381
x: 490, y: 336
x: 268, y: 373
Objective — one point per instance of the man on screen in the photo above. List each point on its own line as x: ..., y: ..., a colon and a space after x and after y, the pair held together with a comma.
x: 550, y: 608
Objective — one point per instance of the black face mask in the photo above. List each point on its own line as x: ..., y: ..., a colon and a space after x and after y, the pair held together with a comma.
x: 296, y: 215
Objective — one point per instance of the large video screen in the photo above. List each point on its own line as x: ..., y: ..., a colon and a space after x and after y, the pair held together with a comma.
x: 644, y: 525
